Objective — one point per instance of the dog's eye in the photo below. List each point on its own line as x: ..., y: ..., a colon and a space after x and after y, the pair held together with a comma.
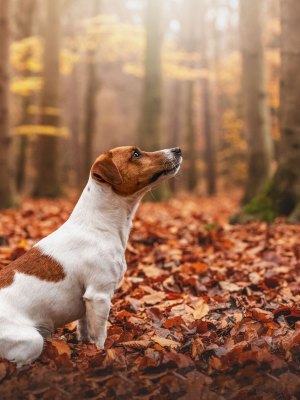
x: 136, y: 154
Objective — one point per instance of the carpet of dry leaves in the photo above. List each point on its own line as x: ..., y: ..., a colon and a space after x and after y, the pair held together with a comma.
x: 206, y: 311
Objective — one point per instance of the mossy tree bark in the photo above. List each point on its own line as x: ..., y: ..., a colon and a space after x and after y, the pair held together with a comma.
x: 256, y: 110
x: 6, y: 191
x: 286, y: 183
x: 47, y: 182
x: 281, y: 196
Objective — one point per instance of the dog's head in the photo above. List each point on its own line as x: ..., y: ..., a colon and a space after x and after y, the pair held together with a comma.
x: 129, y: 170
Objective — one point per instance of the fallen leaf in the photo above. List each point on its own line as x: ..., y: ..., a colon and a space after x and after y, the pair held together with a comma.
x: 228, y: 286
x: 165, y: 342
x: 262, y: 315
x: 154, y: 298
x: 61, y: 346
x: 136, y: 344
x: 201, y: 310
x: 175, y: 321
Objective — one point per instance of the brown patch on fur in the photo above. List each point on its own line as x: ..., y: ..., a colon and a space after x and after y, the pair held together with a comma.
x: 126, y: 174
x: 32, y: 263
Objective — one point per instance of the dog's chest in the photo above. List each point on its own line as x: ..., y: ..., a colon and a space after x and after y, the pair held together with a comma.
x: 86, y: 255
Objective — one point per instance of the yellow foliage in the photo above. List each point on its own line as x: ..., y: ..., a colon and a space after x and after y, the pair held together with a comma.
x: 273, y: 63
x: 26, y: 86
x: 26, y: 54
x: 99, y: 19
x: 184, y: 73
x: 230, y: 74
x: 67, y: 60
x: 48, y: 130
x: 180, y: 55
x: 134, y: 70
x: 114, y: 41
x: 111, y: 39
x: 232, y: 126
x: 33, y: 109
x: 108, y: 41
x: 232, y: 160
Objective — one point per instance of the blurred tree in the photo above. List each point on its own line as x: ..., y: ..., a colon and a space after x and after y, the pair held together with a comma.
x: 149, y: 125
x: 209, y: 151
x: 92, y: 88
x: 175, y: 122
x: 149, y: 129
x: 190, y: 24
x: 120, y: 54
x: 6, y: 192
x: 24, y: 24
x: 281, y: 196
x: 46, y: 152
x: 255, y: 98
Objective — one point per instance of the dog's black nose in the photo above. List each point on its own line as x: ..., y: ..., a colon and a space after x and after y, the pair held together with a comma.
x: 176, y: 150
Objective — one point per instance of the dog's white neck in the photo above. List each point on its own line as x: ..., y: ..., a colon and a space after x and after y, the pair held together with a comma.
x: 100, y: 208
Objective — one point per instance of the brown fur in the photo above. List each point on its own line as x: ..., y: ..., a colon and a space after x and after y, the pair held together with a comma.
x: 32, y: 263
x: 135, y: 173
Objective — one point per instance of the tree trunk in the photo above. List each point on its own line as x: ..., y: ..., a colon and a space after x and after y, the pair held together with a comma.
x: 47, y: 183
x: 192, y: 178
x: 24, y: 21
x: 93, y: 85
x: 282, y: 195
x: 286, y: 183
x: 149, y: 127
x: 256, y: 110
x: 189, y: 43
x: 210, y: 156
x: 75, y: 127
x: 175, y: 122
x: 6, y: 193
x: 209, y: 135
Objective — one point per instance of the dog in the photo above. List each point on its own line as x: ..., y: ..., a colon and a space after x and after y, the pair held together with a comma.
x: 72, y: 273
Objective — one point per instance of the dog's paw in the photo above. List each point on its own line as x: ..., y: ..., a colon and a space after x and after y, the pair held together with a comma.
x: 100, y: 343
x: 83, y: 337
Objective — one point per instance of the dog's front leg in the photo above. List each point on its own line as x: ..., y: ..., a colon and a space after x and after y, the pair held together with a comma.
x: 97, y: 311
x: 82, y: 330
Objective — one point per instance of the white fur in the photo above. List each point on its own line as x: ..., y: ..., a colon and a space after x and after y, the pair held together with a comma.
x: 90, y: 246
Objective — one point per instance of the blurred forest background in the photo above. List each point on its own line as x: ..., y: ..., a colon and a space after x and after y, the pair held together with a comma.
x: 79, y: 77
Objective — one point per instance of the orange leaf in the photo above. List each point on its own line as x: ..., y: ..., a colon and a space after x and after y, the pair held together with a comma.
x: 61, y: 346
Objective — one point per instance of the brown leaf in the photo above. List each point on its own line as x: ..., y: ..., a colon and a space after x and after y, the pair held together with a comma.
x: 154, y: 298
x: 136, y: 344
x: 229, y: 287
x: 201, y: 310
x: 178, y: 360
x: 4, y: 369
x: 165, y: 342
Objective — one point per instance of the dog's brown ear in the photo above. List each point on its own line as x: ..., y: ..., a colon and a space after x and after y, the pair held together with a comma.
x: 105, y: 170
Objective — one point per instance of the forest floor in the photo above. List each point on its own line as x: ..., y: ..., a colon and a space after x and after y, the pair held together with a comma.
x: 207, y: 310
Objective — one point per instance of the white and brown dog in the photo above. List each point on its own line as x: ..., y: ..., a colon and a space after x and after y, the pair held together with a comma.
x: 72, y: 273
